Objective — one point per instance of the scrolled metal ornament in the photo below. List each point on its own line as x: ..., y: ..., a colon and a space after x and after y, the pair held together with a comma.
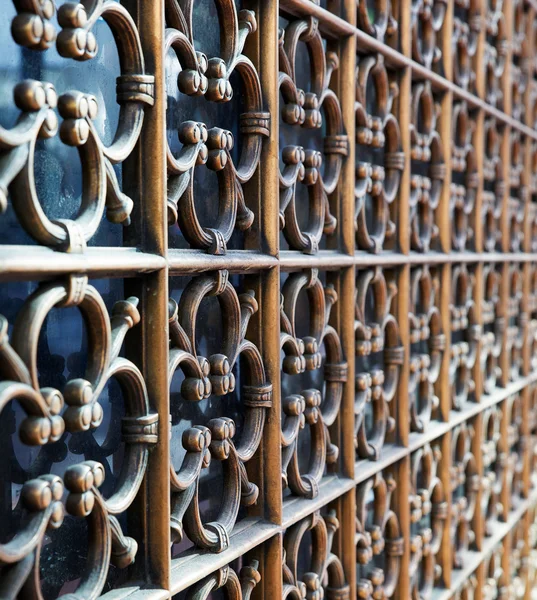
x: 235, y: 587
x: 38, y: 100
x: 468, y: 589
x: 427, y: 18
x: 520, y: 62
x: 378, y: 539
x: 427, y: 345
x: 532, y: 200
x: 311, y: 407
x: 214, y: 376
x: 380, y: 157
x: 465, y: 178
x: 428, y: 170
x: 325, y: 576
x: 467, y: 25
x: 465, y: 483
x: 429, y: 511
x: 496, y: 47
x: 517, y: 320
x: 42, y: 496
x: 516, y: 451
x: 494, y: 328
x: 212, y: 146
x: 320, y: 107
x: 379, y: 357
x: 530, y: 341
x: 518, y: 193
x: 376, y: 19
x: 495, y: 586
x: 493, y: 186
x: 465, y: 335
x: 495, y: 460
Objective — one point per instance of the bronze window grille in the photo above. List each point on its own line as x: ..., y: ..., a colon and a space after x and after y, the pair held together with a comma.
x: 268, y: 299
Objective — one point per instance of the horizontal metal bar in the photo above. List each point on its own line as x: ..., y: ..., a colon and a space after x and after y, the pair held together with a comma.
x: 188, y: 262
x: 27, y: 263
x: 135, y: 593
x: 37, y: 263
x: 330, y: 488
x: 195, y: 564
x: 330, y: 24
x: 389, y: 454
x: 326, y: 260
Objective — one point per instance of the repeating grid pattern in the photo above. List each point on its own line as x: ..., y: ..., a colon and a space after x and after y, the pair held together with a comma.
x: 306, y: 255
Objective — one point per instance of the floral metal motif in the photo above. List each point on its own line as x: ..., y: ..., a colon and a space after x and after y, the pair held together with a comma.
x: 467, y: 24
x: 427, y: 18
x: 493, y: 186
x: 379, y: 545
x: 311, y: 407
x: 465, y: 335
x: 494, y: 465
x: 465, y: 483
x: 520, y: 63
x: 42, y: 497
x: 315, y: 109
x: 38, y: 102
x: 427, y: 345
x: 531, y: 179
x: 428, y: 170
x: 214, y: 375
x: 494, y: 326
x: 211, y: 146
x: 495, y: 586
x: 380, y: 159
x: 518, y: 193
x: 516, y: 448
x: 468, y: 589
x: 236, y: 587
x: 325, y: 576
x: 428, y: 514
x: 376, y: 19
x: 464, y: 178
x: 496, y: 47
x: 517, y: 320
x: 379, y: 356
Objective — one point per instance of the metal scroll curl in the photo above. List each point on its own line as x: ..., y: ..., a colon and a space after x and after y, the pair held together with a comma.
x: 463, y: 189
x: 465, y: 483
x: 214, y: 375
x: 378, y: 171
x: 427, y: 18
x: 314, y: 408
x: 310, y: 111
x: 210, y: 78
x: 325, y: 577
x: 38, y: 101
x: 428, y: 169
x: 465, y: 335
x: 378, y: 539
x: 379, y: 356
x: 236, y: 587
x: 41, y: 497
x: 428, y: 343
x: 429, y: 511
x: 494, y: 326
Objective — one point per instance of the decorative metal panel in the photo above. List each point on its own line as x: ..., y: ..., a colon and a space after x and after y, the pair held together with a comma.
x: 268, y: 299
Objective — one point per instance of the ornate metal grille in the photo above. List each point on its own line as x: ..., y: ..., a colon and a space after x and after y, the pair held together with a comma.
x: 268, y: 299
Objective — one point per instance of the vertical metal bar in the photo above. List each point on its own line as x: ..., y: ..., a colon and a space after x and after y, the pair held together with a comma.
x: 145, y: 179
x: 268, y: 458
